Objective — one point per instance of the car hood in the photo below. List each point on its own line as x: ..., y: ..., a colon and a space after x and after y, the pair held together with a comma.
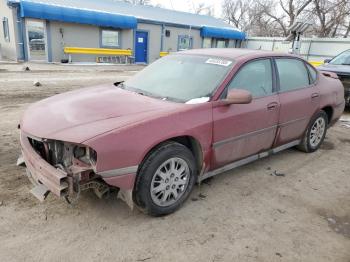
x: 79, y: 115
x: 335, y: 68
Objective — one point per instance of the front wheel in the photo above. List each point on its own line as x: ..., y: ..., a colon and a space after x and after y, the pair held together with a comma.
x: 315, y: 133
x: 165, y: 179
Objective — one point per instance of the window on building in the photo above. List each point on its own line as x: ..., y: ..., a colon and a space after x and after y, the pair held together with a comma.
x: 255, y: 77
x: 185, y: 42
x: 222, y: 43
x: 5, y: 27
x: 110, y: 38
x: 292, y: 74
x: 207, y: 42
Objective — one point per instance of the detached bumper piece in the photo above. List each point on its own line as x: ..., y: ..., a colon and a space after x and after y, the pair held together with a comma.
x: 44, y: 176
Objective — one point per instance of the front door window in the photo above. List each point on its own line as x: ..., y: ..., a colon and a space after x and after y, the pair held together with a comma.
x: 255, y: 77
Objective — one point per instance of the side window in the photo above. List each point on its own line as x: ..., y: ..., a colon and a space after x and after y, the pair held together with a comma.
x: 292, y: 74
x: 313, y: 74
x: 5, y: 28
x: 109, y: 38
x: 255, y: 77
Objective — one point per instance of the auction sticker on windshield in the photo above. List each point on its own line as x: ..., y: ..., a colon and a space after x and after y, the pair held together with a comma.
x: 218, y: 62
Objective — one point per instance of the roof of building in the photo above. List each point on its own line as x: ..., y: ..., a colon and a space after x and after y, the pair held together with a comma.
x: 117, y: 13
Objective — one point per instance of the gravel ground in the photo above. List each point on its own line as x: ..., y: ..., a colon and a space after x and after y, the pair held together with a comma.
x: 242, y: 215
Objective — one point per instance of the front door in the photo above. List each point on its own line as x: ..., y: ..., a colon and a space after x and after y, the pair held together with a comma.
x: 141, y: 47
x: 243, y: 130
x: 299, y: 99
x: 36, y: 40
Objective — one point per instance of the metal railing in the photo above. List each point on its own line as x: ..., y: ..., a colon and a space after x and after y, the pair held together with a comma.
x: 125, y: 53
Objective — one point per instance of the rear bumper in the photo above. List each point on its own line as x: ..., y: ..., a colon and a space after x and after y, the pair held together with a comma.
x: 41, y: 172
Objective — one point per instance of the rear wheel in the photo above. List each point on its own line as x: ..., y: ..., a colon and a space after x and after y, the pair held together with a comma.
x: 165, y: 179
x: 315, y: 133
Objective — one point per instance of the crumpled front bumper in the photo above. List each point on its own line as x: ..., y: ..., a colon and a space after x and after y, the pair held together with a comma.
x: 41, y: 172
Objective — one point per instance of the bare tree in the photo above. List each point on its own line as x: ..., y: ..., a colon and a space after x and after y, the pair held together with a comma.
x: 347, y: 30
x: 294, y: 8
x: 202, y: 9
x: 329, y: 16
x: 238, y: 13
x: 273, y: 17
x: 284, y: 12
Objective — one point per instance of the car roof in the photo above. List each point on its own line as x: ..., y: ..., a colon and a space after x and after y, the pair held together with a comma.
x: 234, y: 53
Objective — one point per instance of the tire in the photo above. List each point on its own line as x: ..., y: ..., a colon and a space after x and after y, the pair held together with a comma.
x: 165, y: 179
x: 314, y: 136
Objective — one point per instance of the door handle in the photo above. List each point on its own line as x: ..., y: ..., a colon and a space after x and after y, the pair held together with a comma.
x: 272, y: 106
x: 315, y: 95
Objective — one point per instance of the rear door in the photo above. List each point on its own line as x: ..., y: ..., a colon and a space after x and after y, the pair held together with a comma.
x: 243, y: 130
x: 299, y: 98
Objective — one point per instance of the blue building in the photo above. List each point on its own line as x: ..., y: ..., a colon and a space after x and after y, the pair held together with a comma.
x: 40, y: 30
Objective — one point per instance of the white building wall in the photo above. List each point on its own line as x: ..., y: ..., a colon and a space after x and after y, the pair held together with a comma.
x: 170, y: 44
x: 80, y: 35
x: 8, y: 50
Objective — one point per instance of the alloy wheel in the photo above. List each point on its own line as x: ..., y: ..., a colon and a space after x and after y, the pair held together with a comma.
x: 170, y: 181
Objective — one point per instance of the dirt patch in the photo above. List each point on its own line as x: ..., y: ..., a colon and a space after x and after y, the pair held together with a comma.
x: 345, y: 140
x: 339, y: 224
x: 242, y: 215
x: 327, y: 145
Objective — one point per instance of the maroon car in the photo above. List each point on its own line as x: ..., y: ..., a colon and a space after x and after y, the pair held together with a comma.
x: 184, y: 118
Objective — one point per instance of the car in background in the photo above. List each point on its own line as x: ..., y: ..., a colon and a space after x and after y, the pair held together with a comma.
x: 186, y: 117
x: 341, y: 66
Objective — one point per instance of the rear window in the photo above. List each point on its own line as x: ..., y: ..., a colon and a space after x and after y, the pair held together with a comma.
x: 292, y: 74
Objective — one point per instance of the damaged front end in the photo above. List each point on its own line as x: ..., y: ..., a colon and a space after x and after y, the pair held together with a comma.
x: 63, y: 168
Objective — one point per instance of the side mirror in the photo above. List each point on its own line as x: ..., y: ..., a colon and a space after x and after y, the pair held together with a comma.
x: 238, y: 96
x: 326, y: 61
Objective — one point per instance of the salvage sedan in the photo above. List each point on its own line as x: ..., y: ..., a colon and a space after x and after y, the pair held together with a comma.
x: 341, y: 66
x: 185, y: 118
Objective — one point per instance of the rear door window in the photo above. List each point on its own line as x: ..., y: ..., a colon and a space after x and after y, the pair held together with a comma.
x: 292, y: 74
x: 255, y: 77
x: 313, y: 74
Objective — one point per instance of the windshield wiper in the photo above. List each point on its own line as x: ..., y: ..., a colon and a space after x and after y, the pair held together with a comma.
x: 120, y: 84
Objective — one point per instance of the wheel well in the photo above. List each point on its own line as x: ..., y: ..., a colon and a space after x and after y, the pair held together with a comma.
x: 188, y: 141
x: 329, y: 112
x: 194, y: 146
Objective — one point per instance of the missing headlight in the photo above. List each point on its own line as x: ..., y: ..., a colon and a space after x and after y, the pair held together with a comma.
x: 79, y: 152
x: 93, y: 156
x: 85, y: 154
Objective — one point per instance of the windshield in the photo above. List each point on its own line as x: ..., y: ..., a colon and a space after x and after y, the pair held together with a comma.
x: 180, y: 78
x: 341, y: 59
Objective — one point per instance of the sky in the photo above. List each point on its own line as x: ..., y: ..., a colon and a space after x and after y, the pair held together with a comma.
x: 187, y: 5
